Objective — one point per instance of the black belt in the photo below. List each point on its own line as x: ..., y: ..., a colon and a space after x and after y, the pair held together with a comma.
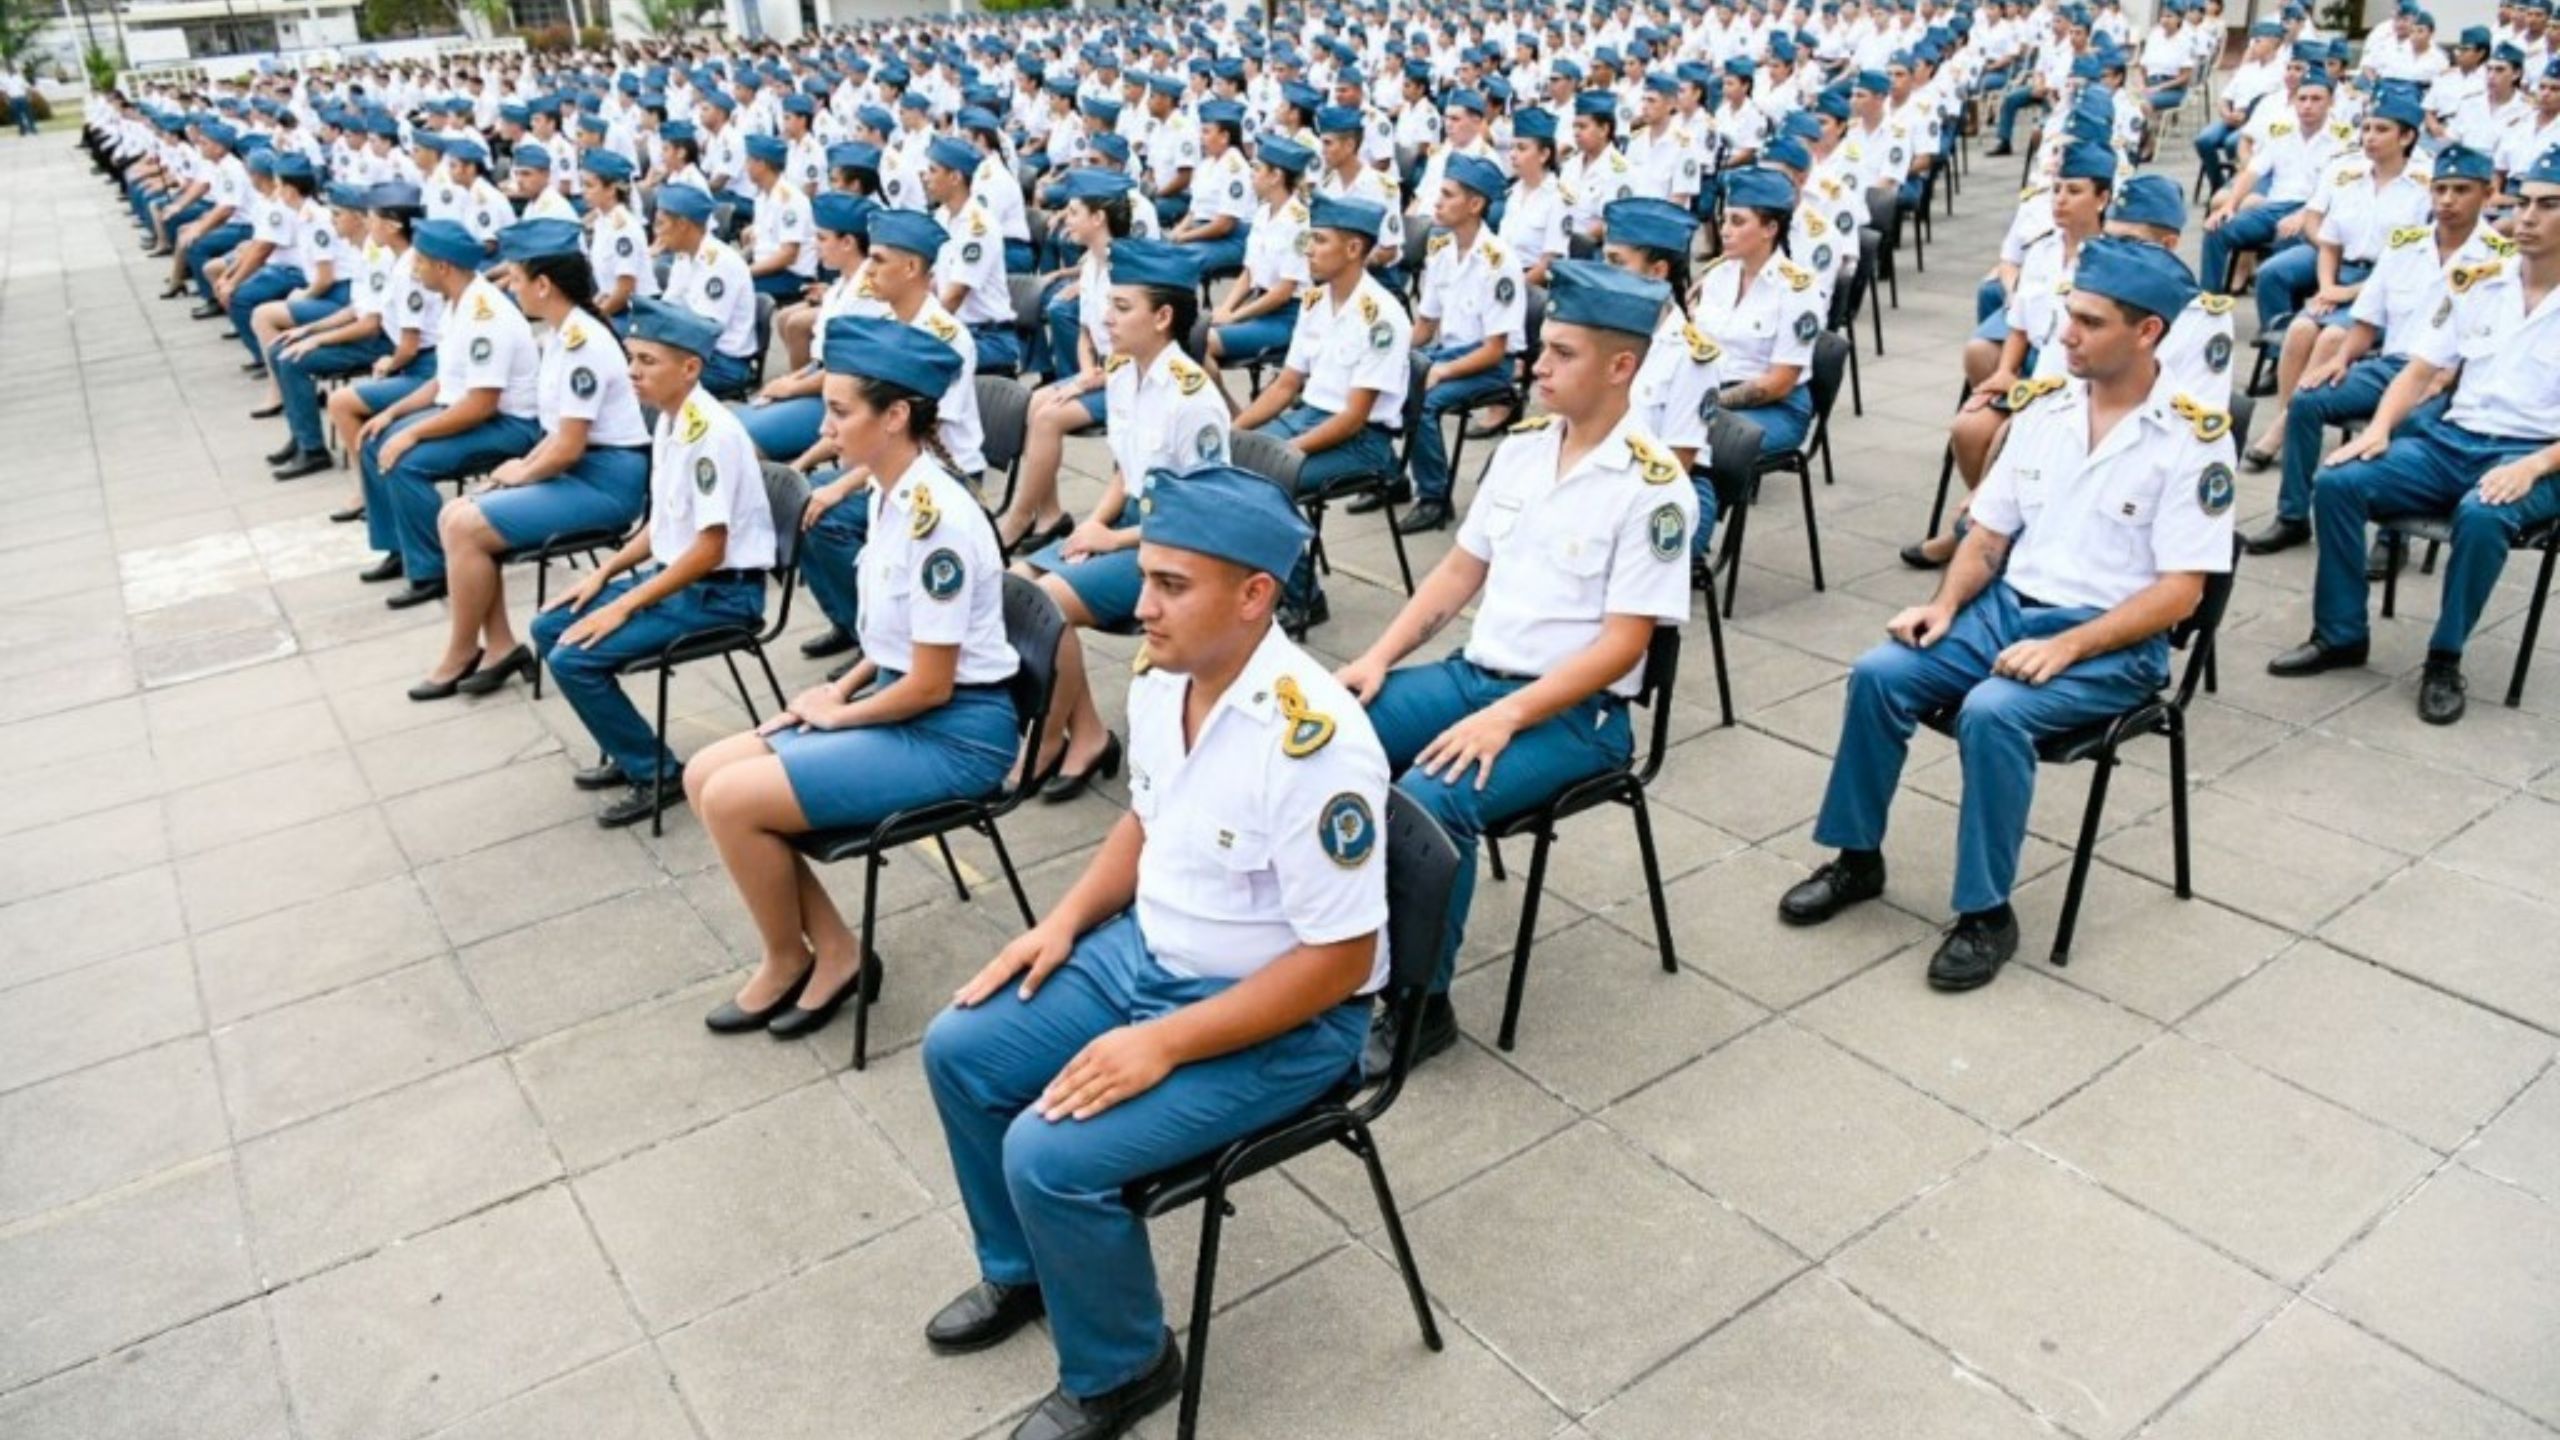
x: 755, y: 575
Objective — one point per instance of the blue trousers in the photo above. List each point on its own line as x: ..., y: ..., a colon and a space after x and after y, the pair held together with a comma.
x: 1894, y: 684
x: 1018, y: 259
x: 2213, y: 147
x: 1261, y: 336
x: 1171, y: 208
x: 401, y: 503
x: 1371, y: 452
x: 587, y: 675
x: 727, y: 374
x: 296, y: 381
x: 2356, y: 396
x: 999, y: 348
x: 209, y: 247
x: 2433, y: 467
x: 1043, y: 1197
x: 380, y: 395
x: 1431, y: 477
x: 1063, y: 318
x: 305, y: 312
x: 1783, y: 423
x: 1990, y: 300
x: 783, y: 429
x: 272, y: 282
x: 2253, y: 228
x: 1224, y: 253
x: 828, y: 552
x: 782, y: 285
x: 2291, y: 277
x: 24, y: 112
x: 1420, y: 701
x: 2010, y: 104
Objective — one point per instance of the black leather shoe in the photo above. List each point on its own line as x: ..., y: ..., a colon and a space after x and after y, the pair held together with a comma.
x: 418, y: 593
x: 266, y: 412
x: 204, y: 312
x: 637, y: 804
x: 279, y: 457
x: 2314, y: 655
x: 1296, y: 623
x: 1439, y: 1032
x: 1372, y: 502
x: 2440, y: 692
x: 1828, y: 891
x: 348, y: 516
x: 1973, y: 953
x: 518, y: 661
x: 731, y: 1018
x: 2382, y: 558
x: 1424, y: 517
x: 605, y: 774
x: 1063, y: 787
x: 797, y: 1021
x: 447, y: 689
x: 2280, y: 535
x: 257, y: 368
x: 1111, y: 1414
x: 309, y: 462
x: 1916, y: 555
x: 831, y: 641
x: 386, y: 568
x: 2255, y: 461
x: 986, y: 1315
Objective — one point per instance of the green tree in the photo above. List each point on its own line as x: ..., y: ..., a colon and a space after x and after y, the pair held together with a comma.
x: 666, y: 18
x: 498, y: 16
x: 390, y: 19
x: 20, y: 22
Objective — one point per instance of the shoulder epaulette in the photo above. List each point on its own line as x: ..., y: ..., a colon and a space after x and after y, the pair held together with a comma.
x: 1797, y: 279
x: 2207, y: 422
x: 1187, y: 377
x: 2407, y: 235
x: 1308, y: 730
x: 1438, y: 243
x: 1658, y: 466
x: 1533, y: 422
x: 1114, y: 363
x: 2464, y: 277
x: 2028, y: 392
x: 1701, y: 349
x: 2497, y: 244
x: 2215, y: 304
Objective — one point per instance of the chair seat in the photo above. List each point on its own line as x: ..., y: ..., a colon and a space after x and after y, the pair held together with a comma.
x: 570, y: 543
x: 701, y: 646
x: 2081, y: 742
x: 1175, y: 1186
x: 849, y: 842
x: 1588, y: 793
x: 2439, y: 528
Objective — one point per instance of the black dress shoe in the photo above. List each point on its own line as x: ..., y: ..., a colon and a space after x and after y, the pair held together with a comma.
x: 1111, y: 1414
x: 605, y: 774
x: 1296, y: 623
x: 1916, y: 555
x: 1973, y: 953
x: 447, y: 689
x: 279, y: 457
x: 267, y: 412
x: 830, y: 641
x: 1401, y: 492
x: 637, y: 804
x: 2280, y: 535
x: 204, y: 312
x: 386, y: 568
x: 1833, y: 888
x: 802, y: 1020
x: 1033, y: 540
x: 2440, y: 691
x: 731, y: 1018
x: 1063, y: 787
x: 2315, y: 655
x: 986, y: 1315
x: 518, y: 661
x: 418, y: 593
x: 2383, y: 558
x: 2255, y: 461
x: 172, y: 292
x: 1425, y: 516
x: 232, y: 335
x: 312, y: 462
x: 1439, y: 1032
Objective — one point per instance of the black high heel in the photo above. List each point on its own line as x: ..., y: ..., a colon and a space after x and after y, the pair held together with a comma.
x: 518, y: 661
x: 1063, y: 787
x: 1032, y: 541
x: 447, y: 689
x: 734, y: 1019
x: 797, y: 1021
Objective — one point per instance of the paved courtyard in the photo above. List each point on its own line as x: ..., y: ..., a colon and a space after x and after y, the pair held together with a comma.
x: 353, y: 1084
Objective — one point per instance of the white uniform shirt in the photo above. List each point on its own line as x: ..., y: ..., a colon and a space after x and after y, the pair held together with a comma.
x: 1666, y: 165
x: 2407, y: 286
x: 1675, y: 387
x: 1774, y: 323
x: 1365, y: 345
x: 367, y: 270
x: 1168, y: 416
x: 959, y: 428
x: 703, y: 473
x: 2509, y: 386
x: 712, y: 281
x: 1567, y: 551
x: 1252, y: 851
x: 1274, y: 250
x: 1533, y: 221
x: 1474, y: 293
x: 488, y: 345
x: 1224, y: 186
x: 973, y: 255
x: 2096, y: 526
x: 933, y: 574
x: 585, y: 376
x: 617, y: 245
x: 413, y: 306
x: 1369, y: 185
x: 2357, y: 213
x: 782, y: 218
x: 2298, y: 164
x: 1589, y: 185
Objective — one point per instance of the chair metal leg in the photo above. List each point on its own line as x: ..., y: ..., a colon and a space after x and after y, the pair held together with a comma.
x: 541, y: 602
x: 738, y: 678
x: 951, y: 863
x: 2399, y: 547
x: 1857, y: 389
x: 1733, y: 555
x: 1493, y: 852
x: 780, y: 701
x: 1653, y: 881
x: 1715, y: 642
x: 2533, y: 623
x: 1812, y: 528
x: 1946, y: 486
x: 1875, y: 315
x: 1528, y: 931
x: 1204, y: 1287
x: 658, y: 766
x: 870, y: 956
x: 1363, y: 1146
x: 1013, y: 877
x: 2080, y: 857
x: 2178, y: 804
x: 1395, y: 537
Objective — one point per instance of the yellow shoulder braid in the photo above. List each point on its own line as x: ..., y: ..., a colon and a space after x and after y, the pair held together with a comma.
x: 1701, y: 349
x: 1533, y: 422
x: 2466, y: 276
x: 2407, y: 235
x: 2208, y: 423
x: 2028, y: 392
x: 1658, y: 465
x: 1308, y: 730
x: 1187, y: 377
x: 926, y: 515
x: 2216, y: 304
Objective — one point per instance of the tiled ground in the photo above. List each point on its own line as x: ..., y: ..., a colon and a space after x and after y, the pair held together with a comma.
x: 352, y: 1084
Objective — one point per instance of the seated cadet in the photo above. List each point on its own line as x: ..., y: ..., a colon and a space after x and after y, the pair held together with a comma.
x: 1575, y: 549
x: 1339, y: 397
x: 590, y: 473
x: 2487, y: 457
x: 784, y: 417
x: 529, y: 186
x: 1202, y: 979
x: 265, y: 220
x: 1220, y: 218
x: 337, y: 241
x: 700, y: 565
x: 223, y: 225
x: 2346, y: 380
x: 1254, y: 319
x: 287, y: 235
x: 1344, y: 175
x: 927, y: 716
x: 1535, y: 213
x: 837, y: 523
x: 710, y: 279
x: 390, y: 338
x: 1095, y: 211
x: 785, y: 260
x: 1166, y: 413
x: 2298, y: 154
x: 1762, y: 310
x: 1675, y: 388
x: 2361, y: 199
x: 2091, y: 539
x: 617, y: 239
x: 969, y: 273
x: 1473, y: 318
x: 481, y: 412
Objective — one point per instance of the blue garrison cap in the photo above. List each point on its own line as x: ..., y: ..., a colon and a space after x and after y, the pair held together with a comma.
x: 1599, y: 103
x: 768, y: 150
x: 1536, y: 124
x: 979, y: 117
x: 345, y: 195
x: 1284, y: 155
x: 1337, y: 120
x: 2310, y: 52
x: 910, y: 230
x: 539, y: 239
x: 889, y: 350
x: 2509, y: 54
x: 1475, y: 173
x: 1101, y: 108
x: 2151, y: 200
x: 680, y: 131
x: 1755, y: 187
x: 715, y: 96
x: 661, y: 323
x: 2474, y: 36
x: 468, y: 151
x: 1471, y: 101
x: 1223, y: 112
x: 1155, y: 263
x: 1832, y: 103
x: 2461, y: 162
x: 394, y: 195
x: 1221, y: 511
x: 1093, y: 185
x: 853, y: 155
x: 954, y: 154
x: 1604, y: 297
x: 1649, y: 223
x: 606, y: 165
x: 1169, y: 86
x: 839, y: 213
x: 2400, y: 106
x: 2315, y: 78
x: 685, y: 202
x: 296, y: 167
x: 1787, y: 148
x: 2146, y: 276
x: 1361, y: 217
x: 447, y: 241
x: 530, y: 156
x: 2545, y: 169
x: 1112, y: 146
x: 2089, y: 126
x: 1875, y: 82
x: 219, y: 133
x: 2084, y: 161
x: 2267, y: 30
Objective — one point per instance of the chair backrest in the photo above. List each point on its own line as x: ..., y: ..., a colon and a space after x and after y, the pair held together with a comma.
x: 1422, y: 864
x: 1268, y: 456
x: 1004, y: 414
x: 786, y: 491
x: 1884, y: 209
x: 1653, y: 689
x: 2244, y: 413
x: 1033, y: 626
x: 1849, y: 292
x: 2196, y: 633
x: 1036, y: 221
x: 1733, y: 456
x: 1830, y: 367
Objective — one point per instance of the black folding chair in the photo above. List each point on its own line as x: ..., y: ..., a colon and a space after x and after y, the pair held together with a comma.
x: 568, y: 546
x: 1830, y: 364
x: 1032, y: 626
x: 1004, y: 415
x: 2165, y: 715
x: 1733, y: 448
x: 786, y: 492
x: 1884, y: 214
x: 1030, y: 318
x: 2437, y: 530
x: 1617, y: 787
x: 1849, y: 295
x: 1422, y: 863
x: 1382, y: 484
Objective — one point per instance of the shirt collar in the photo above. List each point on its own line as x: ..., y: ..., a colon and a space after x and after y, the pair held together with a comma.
x: 1251, y: 693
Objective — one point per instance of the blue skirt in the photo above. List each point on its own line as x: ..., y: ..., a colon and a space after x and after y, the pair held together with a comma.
x: 1106, y: 585
x: 606, y: 490
x: 960, y: 750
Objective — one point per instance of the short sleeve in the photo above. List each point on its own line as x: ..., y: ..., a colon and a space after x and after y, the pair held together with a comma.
x: 1328, y: 813
x: 716, y: 472
x: 1509, y: 314
x: 2436, y: 340
x: 1995, y: 502
x: 582, y: 384
x: 1800, y: 323
x: 1649, y: 562
x: 2191, y: 528
x: 1385, y: 353
x: 1304, y: 341
x: 2369, y: 308
x: 940, y: 611
x: 1435, y: 285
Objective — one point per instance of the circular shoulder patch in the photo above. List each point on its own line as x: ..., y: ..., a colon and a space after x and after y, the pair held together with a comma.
x: 1666, y: 529
x: 582, y: 383
x: 481, y: 350
x: 706, y: 476
x: 1807, y: 326
x: 1381, y: 335
x: 1347, y: 831
x: 943, y: 574
x: 379, y: 279
x: 622, y: 247
x: 1235, y: 189
x: 2444, y: 310
x: 715, y: 287
x: 1504, y: 289
x: 1211, y: 444
x: 2217, y: 353
x: 971, y: 252
x: 417, y: 301
x: 1821, y: 257
x: 2214, y: 489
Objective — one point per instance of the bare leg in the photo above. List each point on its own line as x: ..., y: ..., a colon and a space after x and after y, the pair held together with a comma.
x: 1079, y: 742
x: 1981, y: 357
x: 476, y: 587
x: 347, y: 414
x: 796, y: 325
x: 739, y: 790
x: 1054, y: 416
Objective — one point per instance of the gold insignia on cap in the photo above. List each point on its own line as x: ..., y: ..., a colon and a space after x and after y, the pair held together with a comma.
x: 1309, y: 730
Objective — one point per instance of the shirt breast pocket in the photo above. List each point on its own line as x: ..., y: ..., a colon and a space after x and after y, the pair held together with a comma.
x: 1581, y: 556
x: 1237, y: 882
x: 2129, y: 511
